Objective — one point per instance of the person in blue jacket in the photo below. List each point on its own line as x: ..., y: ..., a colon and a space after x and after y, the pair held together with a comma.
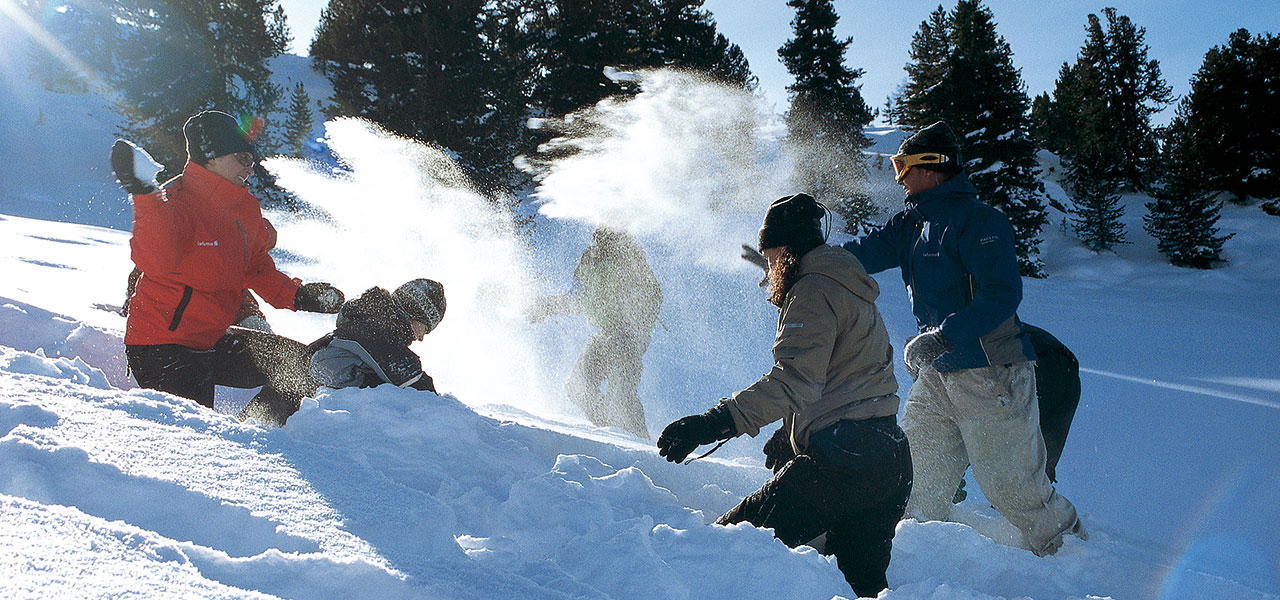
x: 973, y: 400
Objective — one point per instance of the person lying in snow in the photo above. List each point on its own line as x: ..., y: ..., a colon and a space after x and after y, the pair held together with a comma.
x: 368, y: 347
x: 370, y: 344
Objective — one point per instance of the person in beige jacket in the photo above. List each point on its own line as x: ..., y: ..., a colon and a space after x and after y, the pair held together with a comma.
x: 842, y: 467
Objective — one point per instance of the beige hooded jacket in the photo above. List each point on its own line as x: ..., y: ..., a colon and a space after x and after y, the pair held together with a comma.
x: 832, y: 357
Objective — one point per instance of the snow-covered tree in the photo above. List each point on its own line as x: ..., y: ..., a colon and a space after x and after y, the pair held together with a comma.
x: 1231, y: 116
x: 827, y: 115
x: 922, y: 101
x: 418, y: 69
x: 1096, y: 209
x: 297, y: 126
x: 1102, y: 104
x: 1183, y: 214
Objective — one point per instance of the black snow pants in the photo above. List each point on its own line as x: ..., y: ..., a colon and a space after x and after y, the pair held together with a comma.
x: 242, y: 358
x: 1057, y: 393
x: 851, y: 483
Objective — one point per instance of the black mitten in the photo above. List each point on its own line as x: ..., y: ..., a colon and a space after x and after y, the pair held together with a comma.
x: 686, y: 434
x: 318, y: 297
x: 778, y: 451
x: 134, y: 169
x: 923, y: 349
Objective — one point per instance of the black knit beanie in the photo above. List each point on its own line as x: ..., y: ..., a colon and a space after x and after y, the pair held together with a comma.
x: 794, y: 221
x: 938, y: 139
x: 421, y: 299
x: 212, y: 133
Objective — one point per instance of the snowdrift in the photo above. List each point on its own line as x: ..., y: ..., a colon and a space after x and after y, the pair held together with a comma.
x: 402, y: 494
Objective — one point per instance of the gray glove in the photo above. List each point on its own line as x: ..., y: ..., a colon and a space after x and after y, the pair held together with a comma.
x: 923, y: 349
x: 754, y: 257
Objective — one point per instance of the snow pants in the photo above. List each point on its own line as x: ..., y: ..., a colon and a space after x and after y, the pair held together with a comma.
x: 987, y: 417
x: 851, y: 483
x: 615, y: 356
x: 242, y: 358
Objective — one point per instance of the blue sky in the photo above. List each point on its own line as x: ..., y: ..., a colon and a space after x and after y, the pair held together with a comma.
x: 1043, y: 34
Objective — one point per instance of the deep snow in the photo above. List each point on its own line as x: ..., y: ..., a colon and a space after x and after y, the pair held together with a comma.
x: 498, y: 488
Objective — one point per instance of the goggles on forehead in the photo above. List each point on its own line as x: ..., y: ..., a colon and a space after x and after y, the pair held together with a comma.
x: 903, y: 162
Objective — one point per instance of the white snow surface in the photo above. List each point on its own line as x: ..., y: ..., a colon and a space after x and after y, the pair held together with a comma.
x: 497, y: 488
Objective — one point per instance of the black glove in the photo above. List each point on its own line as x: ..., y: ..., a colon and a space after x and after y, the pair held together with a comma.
x: 134, y: 169
x: 923, y: 349
x: 778, y: 451
x: 318, y: 297
x: 754, y: 257
x: 686, y: 434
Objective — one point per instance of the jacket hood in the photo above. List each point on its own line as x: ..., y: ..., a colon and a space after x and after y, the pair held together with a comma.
x: 203, y: 183
x: 956, y: 188
x: 843, y: 267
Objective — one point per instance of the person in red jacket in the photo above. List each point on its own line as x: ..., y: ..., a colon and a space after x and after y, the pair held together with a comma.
x: 199, y: 241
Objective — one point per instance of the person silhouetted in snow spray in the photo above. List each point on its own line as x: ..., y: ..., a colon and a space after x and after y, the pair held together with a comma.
x: 618, y: 292
x: 199, y: 242
x: 974, y: 396
x: 370, y: 344
x: 842, y: 467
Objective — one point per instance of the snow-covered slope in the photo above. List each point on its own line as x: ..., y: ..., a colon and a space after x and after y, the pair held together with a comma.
x: 402, y: 494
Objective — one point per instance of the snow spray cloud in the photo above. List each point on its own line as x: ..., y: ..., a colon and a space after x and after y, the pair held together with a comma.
x: 688, y: 167
x: 398, y: 210
x: 688, y: 163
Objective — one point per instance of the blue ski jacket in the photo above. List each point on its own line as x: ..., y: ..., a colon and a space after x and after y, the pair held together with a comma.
x: 961, y: 270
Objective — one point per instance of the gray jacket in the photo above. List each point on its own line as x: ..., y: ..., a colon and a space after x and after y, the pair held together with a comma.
x: 832, y: 356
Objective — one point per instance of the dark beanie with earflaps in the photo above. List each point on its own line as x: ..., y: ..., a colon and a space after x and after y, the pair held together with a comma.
x: 935, y: 139
x: 794, y: 221
x: 213, y: 133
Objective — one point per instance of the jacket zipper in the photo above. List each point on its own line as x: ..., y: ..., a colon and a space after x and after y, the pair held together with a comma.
x: 245, y: 237
x: 182, y: 307
x: 912, y: 262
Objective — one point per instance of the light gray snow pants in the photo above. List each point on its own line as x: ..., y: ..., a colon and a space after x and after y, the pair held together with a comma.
x: 985, y: 417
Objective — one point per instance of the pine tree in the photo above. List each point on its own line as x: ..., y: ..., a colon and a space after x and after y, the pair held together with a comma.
x: 176, y: 58
x: 962, y: 72
x: 992, y: 113
x: 418, y: 69
x: 827, y: 114
x: 923, y: 99
x: 1231, y: 117
x: 686, y: 38
x: 1183, y: 214
x: 297, y: 127
x: 582, y: 37
x: 577, y: 39
x: 1107, y: 97
x: 1096, y: 209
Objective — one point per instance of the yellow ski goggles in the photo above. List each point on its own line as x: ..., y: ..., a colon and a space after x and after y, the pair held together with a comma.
x: 903, y: 162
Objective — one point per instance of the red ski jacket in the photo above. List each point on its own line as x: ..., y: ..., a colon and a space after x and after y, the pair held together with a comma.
x: 199, y: 243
